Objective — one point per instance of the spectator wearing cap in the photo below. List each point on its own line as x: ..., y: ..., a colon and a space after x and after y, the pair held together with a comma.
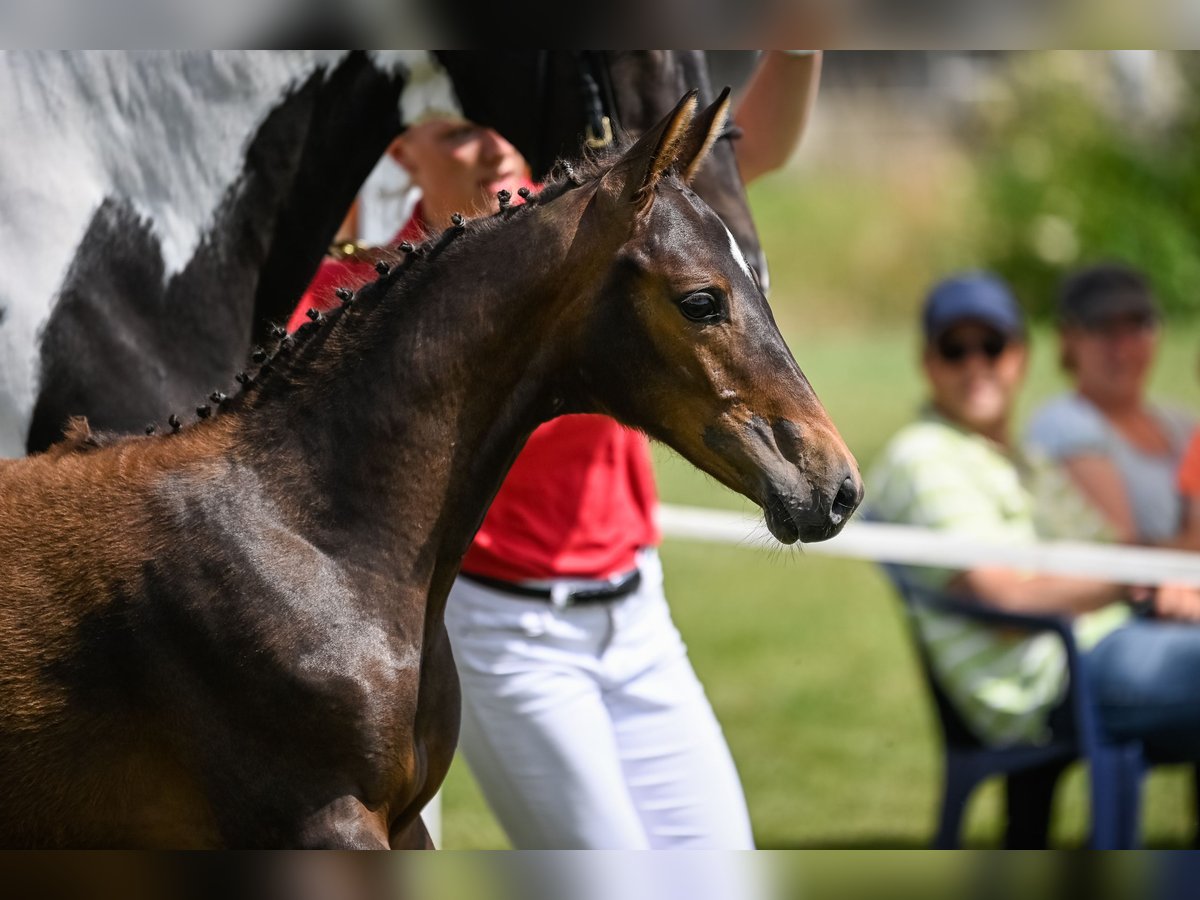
x: 1119, y: 448
x: 956, y: 469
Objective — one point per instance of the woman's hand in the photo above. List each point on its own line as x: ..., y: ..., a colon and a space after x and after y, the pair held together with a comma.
x: 1178, y: 602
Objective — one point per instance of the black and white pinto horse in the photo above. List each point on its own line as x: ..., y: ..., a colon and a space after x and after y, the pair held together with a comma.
x: 159, y: 210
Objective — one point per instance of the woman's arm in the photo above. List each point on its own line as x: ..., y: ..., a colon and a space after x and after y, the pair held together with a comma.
x: 1017, y: 592
x: 1100, y: 482
x: 775, y: 110
x: 1013, y: 591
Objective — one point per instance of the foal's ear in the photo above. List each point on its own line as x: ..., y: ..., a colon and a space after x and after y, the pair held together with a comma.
x: 703, y: 132
x: 633, y: 177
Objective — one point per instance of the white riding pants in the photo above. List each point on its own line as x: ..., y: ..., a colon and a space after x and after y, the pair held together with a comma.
x: 587, y: 728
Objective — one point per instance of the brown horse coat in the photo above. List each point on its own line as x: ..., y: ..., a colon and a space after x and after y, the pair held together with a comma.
x: 233, y: 636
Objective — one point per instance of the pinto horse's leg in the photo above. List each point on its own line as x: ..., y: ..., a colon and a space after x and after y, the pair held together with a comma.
x: 344, y: 824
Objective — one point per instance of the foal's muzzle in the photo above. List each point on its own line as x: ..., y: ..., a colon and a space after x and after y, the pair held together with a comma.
x: 813, y: 514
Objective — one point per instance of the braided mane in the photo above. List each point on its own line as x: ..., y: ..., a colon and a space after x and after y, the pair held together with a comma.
x: 407, y: 271
x: 279, y: 365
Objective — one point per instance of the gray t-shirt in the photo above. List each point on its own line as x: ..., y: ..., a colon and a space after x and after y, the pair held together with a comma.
x: 1071, y: 426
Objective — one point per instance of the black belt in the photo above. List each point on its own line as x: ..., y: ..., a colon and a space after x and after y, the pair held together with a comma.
x: 624, y: 586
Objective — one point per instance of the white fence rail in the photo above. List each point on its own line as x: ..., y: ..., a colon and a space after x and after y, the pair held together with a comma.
x: 922, y: 546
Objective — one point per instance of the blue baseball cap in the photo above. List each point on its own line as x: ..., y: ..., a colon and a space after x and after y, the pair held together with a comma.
x: 973, y: 296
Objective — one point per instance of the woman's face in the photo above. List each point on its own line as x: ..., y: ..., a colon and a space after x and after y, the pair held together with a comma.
x: 974, y: 373
x: 459, y: 165
x: 1111, y: 361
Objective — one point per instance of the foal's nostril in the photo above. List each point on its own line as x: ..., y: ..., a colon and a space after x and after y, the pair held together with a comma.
x: 848, y: 497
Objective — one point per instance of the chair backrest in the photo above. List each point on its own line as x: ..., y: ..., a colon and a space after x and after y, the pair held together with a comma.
x: 1114, y: 768
x: 955, y: 732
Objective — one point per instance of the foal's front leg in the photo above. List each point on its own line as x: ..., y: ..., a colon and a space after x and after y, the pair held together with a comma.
x: 344, y: 824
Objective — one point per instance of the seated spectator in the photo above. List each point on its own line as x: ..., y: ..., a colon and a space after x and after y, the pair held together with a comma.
x: 1121, y: 450
x: 956, y: 469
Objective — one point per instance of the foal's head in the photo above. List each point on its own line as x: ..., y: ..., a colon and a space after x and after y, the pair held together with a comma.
x: 680, y: 340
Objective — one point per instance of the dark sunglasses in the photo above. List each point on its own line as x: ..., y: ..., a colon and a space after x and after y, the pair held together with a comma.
x: 955, y: 351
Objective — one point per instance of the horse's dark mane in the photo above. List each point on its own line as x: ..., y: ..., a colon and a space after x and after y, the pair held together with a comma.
x: 288, y: 360
x: 302, y: 357
x: 593, y: 165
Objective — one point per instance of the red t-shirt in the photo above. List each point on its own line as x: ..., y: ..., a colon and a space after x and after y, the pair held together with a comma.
x: 1189, y: 469
x: 579, y: 500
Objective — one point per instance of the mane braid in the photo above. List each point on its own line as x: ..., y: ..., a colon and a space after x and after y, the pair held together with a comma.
x: 293, y: 353
x: 415, y: 267
x: 567, y: 174
x: 344, y: 325
x: 312, y: 337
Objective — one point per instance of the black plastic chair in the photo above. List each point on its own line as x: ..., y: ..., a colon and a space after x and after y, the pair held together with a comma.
x: 1031, y: 771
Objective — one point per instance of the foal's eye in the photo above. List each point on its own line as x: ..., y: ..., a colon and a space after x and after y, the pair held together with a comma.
x: 701, y: 307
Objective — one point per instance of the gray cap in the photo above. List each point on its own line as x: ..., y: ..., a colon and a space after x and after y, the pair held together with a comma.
x: 1102, y: 293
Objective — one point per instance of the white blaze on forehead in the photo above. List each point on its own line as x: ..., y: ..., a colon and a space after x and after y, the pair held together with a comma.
x: 737, y: 253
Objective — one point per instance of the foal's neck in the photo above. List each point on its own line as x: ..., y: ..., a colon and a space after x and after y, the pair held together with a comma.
x: 394, y: 439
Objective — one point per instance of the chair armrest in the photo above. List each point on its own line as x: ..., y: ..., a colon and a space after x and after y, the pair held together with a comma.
x: 1084, y: 722
x: 977, y: 610
x: 1079, y: 693
x: 988, y: 615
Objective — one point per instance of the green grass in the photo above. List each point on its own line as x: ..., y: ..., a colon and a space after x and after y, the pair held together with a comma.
x: 805, y: 659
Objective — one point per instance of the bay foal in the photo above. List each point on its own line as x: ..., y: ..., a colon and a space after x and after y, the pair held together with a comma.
x: 233, y: 635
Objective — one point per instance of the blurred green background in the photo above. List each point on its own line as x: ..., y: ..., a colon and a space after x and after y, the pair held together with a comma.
x: 806, y: 659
